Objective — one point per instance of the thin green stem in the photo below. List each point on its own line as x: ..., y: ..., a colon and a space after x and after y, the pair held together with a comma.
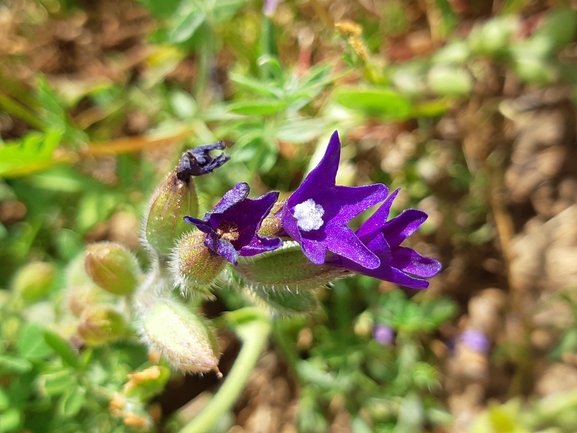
x: 254, y: 336
x: 15, y: 108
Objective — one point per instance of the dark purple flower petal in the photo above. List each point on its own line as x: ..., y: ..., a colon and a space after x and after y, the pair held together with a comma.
x: 232, y: 197
x: 226, y: 249
x: 260, y: 244
x: 317, y: 213
x: 374, y: 224
x: 232, y: 225
x: 343, y: 241
x: 399, y: 265
x: 411, y: 262
x: 403, y: 225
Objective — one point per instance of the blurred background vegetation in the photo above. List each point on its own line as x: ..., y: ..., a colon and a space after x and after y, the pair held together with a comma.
x: 468, y: 106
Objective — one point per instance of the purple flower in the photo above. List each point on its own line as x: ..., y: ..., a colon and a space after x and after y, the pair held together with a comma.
x: 475, y: 340
x: 317, y: 213
x: 269, y: 6
x: 232, y: 226
x: 399, y: 265
x: 383, y: 334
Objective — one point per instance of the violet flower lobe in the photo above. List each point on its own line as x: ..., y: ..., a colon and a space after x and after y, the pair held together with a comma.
x: 400, y: 265
x: 232, y: 225
x: 317, y: 213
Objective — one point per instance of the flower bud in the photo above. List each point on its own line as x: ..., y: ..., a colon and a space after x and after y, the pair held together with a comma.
x: 82, y: 297
x: 271, y: 226
x: 194, y: 265
x: 287, y: 268
x: 182, y: 337
x: 284, y: 301
x: 113, y: 267
x: 176, y: 197
x: 100, y: 325
x: 34, y: 280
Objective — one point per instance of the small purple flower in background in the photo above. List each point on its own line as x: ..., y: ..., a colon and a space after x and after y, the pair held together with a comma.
x: 383, y: 334
x: 317, y: 213
x: 233, y: 224
x: 399, y: 265
x: 269, y: 7
x: 475, y: 340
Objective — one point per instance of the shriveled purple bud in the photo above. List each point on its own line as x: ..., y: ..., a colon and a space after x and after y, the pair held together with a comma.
x: 34, y: 280
x: 475, y: 340
x: 113, y: 267
x: 197, y: 161
x: 383, y: 334
x: 181, y: 337
x: 176, y: 197
x: 100, y: 325
x: 193, y: 265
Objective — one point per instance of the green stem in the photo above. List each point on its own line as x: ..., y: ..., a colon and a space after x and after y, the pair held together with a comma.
x: 13, y: 107
x: 254, y: 336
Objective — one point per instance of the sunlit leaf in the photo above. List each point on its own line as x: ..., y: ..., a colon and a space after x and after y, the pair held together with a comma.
x: 381, y: 102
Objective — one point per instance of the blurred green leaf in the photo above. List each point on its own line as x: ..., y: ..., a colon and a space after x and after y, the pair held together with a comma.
x: 72, y: 401
x: 10, y: 420
x: 186, y: 21
x: 56, y: 383
x: 62, y: 348
x: 257, y: 108
x: 31, y: 344
x: 34, y: 152
x: 381, y: 102
x: 15, y: 364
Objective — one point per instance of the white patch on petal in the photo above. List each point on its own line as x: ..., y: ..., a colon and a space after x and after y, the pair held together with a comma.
x: 309, y: 215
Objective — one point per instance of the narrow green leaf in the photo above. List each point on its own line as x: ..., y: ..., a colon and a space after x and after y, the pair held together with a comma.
x: 257, y: 108
x: 62, y: 348
x: 186, y: 23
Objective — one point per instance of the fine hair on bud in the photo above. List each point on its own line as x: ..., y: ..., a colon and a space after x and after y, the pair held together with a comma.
x: 112, y: 267
x: 194, y: 267
x: 286, y: 268
x: 182, y: 337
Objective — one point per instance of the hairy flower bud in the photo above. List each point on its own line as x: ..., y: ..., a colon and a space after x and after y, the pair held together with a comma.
x: 100, y: 325
x: 34, y: 280
x: 193, y: 265
x: 286, y: 268
x: 113, y: 267
x: 182, y: 337
x: 176, y: 197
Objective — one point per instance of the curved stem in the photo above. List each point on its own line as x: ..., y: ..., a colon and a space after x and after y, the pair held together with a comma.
x: 254, y: 335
